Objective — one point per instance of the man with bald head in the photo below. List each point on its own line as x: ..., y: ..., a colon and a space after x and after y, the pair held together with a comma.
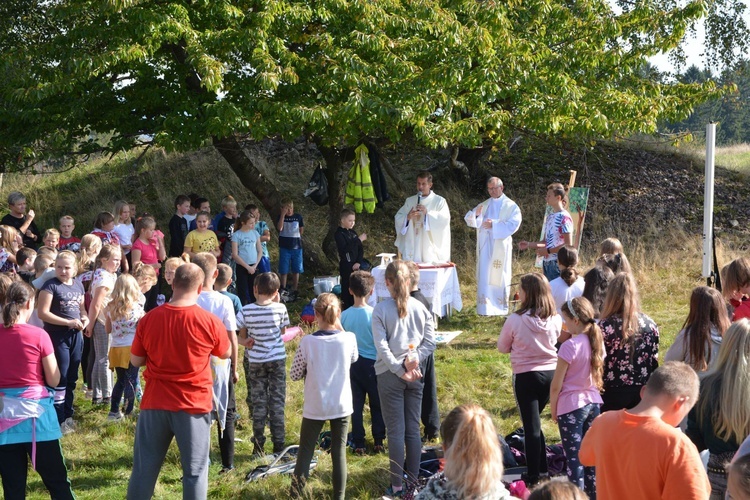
x: 175, y: 342
x: 496, y: 220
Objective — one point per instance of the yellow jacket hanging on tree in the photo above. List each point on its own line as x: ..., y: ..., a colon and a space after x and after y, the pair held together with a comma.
x: 359, y: 190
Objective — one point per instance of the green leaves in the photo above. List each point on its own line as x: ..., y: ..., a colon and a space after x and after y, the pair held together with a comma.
x: 462, y: 72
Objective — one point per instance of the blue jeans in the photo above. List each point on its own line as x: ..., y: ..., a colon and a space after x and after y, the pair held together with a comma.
x: 573, y: 427
x: 551, y: 269
x: 127, y: 381
x: 68, y: 351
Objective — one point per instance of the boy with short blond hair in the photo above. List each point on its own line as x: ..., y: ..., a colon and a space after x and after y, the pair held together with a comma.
x: 47, y: 250
x: 358, y: 320
x: 290, y: 226
x: 223, y: 280
x: 67, y: 240
x: 223, y: 225
x: 262, y: 325
x: 639, y: 453
x: 51, y: 238
x: 224, y: 370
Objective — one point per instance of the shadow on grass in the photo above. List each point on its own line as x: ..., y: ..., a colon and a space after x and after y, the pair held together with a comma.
x: 369, y: 481
x: 470, y: 344
x: 93, y: 475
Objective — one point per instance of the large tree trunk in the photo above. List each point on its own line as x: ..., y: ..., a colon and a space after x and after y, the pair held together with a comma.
x: 254, y: 180
x: 336, y: 176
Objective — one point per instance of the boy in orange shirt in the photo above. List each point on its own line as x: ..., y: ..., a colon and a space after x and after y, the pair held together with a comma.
x: 639, y: 453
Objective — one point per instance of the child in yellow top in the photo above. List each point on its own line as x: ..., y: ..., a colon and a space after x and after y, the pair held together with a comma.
x: 202, y: 239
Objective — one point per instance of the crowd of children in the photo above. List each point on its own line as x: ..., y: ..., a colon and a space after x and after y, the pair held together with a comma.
x: 580, y: 344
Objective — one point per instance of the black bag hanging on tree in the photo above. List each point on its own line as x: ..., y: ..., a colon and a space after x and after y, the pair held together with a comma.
x: 317, y: 188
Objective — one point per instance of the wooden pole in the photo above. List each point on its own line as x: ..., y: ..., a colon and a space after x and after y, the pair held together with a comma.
x: 572, y: 181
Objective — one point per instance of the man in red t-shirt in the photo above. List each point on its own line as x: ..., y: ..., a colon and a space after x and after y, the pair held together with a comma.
x: 175, y: 342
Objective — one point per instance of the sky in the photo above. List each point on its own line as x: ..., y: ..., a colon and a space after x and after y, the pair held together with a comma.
x: 693, y: 49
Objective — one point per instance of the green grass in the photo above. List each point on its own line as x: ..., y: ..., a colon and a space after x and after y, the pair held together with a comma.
x: 735, y: 157
x: 469, y: 370
x: 99, y: 455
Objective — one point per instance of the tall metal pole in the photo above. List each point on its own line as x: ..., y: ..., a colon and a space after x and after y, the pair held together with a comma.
x: 708, y: 203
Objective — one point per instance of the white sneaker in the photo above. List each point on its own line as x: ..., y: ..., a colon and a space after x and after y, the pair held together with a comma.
x: 115, y: 416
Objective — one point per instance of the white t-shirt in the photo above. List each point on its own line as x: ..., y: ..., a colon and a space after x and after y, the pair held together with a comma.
x: 323, y: 360
x: 561, y: 292
x: 103, y: 278
x: 125, y: 233
x: 220, y: 306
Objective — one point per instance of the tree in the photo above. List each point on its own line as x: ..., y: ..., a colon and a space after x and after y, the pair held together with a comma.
x: 180, y: 74
x: 731, y: 110
x: 725, y: 33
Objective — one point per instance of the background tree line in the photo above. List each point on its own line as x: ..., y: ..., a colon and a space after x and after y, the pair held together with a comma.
x: 731, y: 111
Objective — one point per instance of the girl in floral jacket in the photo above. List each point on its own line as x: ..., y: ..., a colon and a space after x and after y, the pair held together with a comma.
x: 631, y: 340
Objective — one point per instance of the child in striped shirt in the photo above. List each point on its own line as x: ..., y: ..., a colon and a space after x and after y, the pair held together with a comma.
x: 261, y: 325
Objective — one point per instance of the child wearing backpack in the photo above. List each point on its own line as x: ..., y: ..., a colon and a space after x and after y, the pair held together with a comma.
x: 574, y: 394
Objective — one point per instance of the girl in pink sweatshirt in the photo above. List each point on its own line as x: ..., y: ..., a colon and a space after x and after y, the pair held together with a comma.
x: 529, y: 335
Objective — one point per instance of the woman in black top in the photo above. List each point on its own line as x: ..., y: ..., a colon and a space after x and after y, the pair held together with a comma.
x: 23, y: 222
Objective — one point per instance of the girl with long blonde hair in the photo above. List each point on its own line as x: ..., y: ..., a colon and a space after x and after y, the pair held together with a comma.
x: 721, y: 419
x: 91, y: 245
x: 62, y: 309
x: 148, y: 250
x: 122, y: 315
x: 402, y: 329
x: 574, y: 395
x: 124, y: 230
x: 473, y: 458
x: 89, y: 248
x: 631, y: 340
x: 10, y: 242
x: 329, y: 350
x: 529, y: 335
x: 102, y: 283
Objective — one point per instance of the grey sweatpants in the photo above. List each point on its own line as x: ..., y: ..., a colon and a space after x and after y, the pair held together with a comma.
x: 101, y: 376
x: 152, y: 439
x: 401, y: 404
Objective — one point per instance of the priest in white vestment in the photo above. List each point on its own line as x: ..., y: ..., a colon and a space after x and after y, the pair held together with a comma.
x: 423, y: 225
x: 496, y: 220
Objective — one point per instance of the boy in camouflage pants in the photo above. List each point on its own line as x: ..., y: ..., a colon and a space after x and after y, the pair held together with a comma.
x: 261, y: 326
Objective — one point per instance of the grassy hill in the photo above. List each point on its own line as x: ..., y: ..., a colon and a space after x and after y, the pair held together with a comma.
x: 650, y: 199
